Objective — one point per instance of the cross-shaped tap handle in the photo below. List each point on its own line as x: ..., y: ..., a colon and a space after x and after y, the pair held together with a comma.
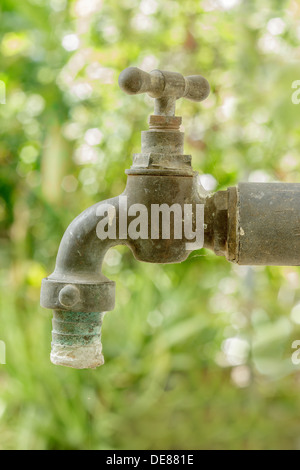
x: 165, y: 87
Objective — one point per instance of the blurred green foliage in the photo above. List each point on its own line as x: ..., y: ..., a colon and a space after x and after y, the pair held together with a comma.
x: 198, y: 355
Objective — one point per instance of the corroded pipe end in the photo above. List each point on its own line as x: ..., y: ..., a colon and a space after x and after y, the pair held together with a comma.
x: 77, y: 340
x: 221, y: 219
x: 86, y: 357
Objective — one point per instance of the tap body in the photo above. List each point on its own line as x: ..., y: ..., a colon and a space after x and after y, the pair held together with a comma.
x: 77, y: 291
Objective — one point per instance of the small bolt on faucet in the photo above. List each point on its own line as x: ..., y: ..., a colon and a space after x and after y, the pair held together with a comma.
x: 251, y: 224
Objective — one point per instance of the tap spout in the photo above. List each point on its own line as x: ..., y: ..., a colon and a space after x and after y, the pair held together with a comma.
x: 79, y: 293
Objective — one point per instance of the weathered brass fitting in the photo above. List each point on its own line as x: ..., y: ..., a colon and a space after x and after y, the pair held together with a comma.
x: 161, y: 173
x: 251, y: 224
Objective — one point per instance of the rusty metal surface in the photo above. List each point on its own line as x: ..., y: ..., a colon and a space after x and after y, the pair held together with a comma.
x: 157, y: 189
x: 255, y: 224
x: 269, y: 224
x: 233, y: 214
x: 220, y: 223
x: 216, y: 223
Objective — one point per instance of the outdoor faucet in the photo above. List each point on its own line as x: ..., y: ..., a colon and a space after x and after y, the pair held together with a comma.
x: 254, y: 223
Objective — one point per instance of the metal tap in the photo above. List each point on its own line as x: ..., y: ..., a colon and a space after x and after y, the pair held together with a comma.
x: 254, y: 223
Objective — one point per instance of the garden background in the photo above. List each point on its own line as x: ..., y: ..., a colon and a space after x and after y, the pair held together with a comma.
x: 198, y: 355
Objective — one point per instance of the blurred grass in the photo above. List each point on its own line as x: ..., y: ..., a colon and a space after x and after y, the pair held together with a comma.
x: 197, y: 354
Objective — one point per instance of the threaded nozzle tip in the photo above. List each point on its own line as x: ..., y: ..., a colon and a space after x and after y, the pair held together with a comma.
x: 77, y: 340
